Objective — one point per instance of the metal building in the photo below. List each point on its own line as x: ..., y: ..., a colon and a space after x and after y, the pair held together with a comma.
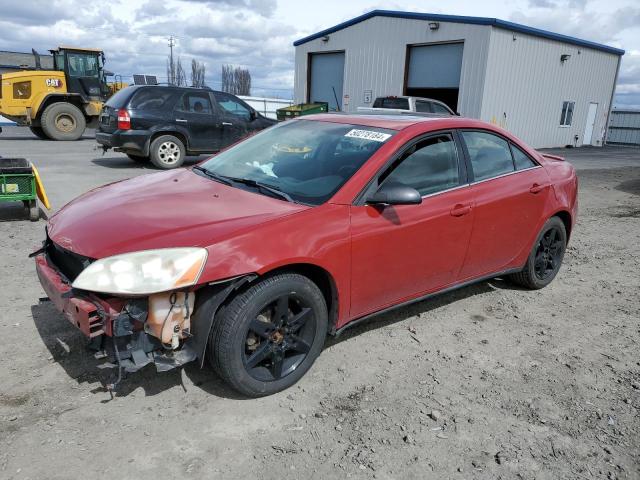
x: 549, y: 89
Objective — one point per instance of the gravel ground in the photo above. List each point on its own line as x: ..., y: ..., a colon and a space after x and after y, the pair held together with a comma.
x: 486, y: 382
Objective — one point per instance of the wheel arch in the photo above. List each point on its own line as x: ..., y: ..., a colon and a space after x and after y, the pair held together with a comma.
x: 321, y: 277
x: 73, y: 99
x: 565, y: 216
x: 158, y: 133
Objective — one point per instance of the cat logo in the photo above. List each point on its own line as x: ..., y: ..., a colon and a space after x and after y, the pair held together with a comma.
x: 53, y: 82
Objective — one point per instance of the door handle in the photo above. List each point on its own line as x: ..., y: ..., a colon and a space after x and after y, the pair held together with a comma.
x: 182, y: 120
x: 459, y: 210
x: 537, y: 188
x: 227, y: 124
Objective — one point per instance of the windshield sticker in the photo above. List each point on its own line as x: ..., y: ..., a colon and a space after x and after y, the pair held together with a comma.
x: 368, y: 135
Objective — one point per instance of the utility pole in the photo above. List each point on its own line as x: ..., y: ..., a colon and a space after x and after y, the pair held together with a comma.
x: 172, y: 68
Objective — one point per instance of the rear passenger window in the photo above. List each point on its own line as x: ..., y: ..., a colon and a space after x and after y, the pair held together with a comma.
x: 429, y: 166
x: 521, y: 159
x: 440, y: 109
x: 150, y: 98
x: 490, y: 155
x: 423, y: 107
x: 195, y: 102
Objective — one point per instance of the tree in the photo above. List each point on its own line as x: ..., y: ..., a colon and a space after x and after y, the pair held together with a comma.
x: 236, y: 81
x: 175, y: 73
x: 197, y: 74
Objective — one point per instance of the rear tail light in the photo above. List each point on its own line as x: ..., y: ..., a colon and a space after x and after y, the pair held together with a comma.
x: 124, y: 120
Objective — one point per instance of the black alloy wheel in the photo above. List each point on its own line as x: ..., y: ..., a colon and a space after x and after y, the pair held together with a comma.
x: 268, y: 336
x: 279, y: 338
x: 545, y: 258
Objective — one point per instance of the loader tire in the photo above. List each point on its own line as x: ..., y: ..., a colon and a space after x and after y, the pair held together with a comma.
x: 63, y: 121
x: 38, y: 132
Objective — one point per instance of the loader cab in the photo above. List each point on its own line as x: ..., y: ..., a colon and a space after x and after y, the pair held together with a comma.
x: 84, y: 71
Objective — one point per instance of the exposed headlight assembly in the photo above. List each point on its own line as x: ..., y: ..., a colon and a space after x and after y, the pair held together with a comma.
x: 144, y: 272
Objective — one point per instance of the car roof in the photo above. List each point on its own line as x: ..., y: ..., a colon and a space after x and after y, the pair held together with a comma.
x: 396, y: 122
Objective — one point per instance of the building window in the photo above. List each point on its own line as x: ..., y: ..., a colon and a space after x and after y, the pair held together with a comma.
x: 567, y: 113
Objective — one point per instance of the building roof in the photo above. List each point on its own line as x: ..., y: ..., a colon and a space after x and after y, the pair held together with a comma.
x: 494, y: 22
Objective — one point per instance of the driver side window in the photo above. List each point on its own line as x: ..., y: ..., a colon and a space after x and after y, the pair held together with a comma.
x: 429, y: 166
x: 232, y: 105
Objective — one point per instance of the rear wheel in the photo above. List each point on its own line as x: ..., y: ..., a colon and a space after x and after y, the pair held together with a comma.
x: 268, y: 337
x: 138, y: 158
x: 39, y: 132
x: 167, y: 152
x: 34, y: 211
x: 63, y: 121
x: 545, y: 258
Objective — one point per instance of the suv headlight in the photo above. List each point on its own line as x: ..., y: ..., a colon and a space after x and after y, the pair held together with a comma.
x: 144, y: 272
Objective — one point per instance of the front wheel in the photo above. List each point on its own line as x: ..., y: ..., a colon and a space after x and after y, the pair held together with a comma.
x: 63, y: 121
x: 268, y: 337
x: 545, y: 258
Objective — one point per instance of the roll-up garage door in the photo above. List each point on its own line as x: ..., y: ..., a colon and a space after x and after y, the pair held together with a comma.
x: 326, y: 78
x: 434, y: 72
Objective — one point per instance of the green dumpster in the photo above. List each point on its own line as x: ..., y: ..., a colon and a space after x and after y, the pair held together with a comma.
x: 301, y: 109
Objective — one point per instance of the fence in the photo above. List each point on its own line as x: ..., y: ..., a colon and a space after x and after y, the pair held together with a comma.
x: 267, y: 106
x: 624, y: 127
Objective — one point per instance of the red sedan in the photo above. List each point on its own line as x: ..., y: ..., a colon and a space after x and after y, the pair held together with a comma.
x: 252, y: 257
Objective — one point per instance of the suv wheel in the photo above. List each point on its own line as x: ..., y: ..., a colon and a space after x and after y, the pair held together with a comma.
x: 167, y: 152
x: 266, y: 338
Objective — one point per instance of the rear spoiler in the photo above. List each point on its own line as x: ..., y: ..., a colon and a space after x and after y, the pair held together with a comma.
x: 552, y: 157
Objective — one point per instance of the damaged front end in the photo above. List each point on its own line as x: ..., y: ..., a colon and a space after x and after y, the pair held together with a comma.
x: 130, y: 331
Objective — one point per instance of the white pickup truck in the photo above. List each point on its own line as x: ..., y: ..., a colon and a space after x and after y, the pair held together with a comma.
x: 406, y: 105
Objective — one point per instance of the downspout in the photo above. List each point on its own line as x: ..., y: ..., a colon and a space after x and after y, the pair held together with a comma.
x: 613, y: 92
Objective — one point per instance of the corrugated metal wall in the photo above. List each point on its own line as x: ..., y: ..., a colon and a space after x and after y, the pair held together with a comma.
x: 375, y: 57
x: 526, y: 84
x: 624, y: 127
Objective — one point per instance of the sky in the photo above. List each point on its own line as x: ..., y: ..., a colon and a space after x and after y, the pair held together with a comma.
x: 258, y: 34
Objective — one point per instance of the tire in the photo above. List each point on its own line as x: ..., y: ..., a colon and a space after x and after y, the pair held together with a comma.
x: 138, y: 158
x: 63, y: 121
x: 167, y: 152
x: 545, y: 258
x: 39, y: 132
x: 34, y: 211
x: 257, y: 354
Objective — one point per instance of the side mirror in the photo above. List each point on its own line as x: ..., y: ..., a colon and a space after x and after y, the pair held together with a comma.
x: 253, y: 115
x: 395, y: 194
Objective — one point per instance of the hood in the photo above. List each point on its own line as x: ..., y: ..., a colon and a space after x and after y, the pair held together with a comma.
x: 169, y: 209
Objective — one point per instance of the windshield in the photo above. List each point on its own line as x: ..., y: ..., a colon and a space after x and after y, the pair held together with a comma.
x: 307, y: 160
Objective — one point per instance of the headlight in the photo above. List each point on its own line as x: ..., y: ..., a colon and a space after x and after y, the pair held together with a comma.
x: 145, y: 272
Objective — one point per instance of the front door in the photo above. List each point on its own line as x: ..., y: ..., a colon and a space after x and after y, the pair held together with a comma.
x: 195, y: 114
x: 402, y: 252
x: 509, y: 193
x: 591, y: 120
x: 236, y: 118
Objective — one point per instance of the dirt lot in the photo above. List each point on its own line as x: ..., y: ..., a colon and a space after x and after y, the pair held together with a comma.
x: 486, y: 382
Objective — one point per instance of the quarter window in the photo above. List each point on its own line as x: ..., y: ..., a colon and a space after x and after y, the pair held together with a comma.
x: 429, y: 166
x: 521, y: 159
x: 490, y: 155
x: 567, y: 113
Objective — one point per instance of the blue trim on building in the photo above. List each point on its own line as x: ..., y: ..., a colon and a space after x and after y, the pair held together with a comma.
x: 494, y: 22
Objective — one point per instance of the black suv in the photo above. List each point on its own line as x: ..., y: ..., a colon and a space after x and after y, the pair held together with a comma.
x: 165, y: 123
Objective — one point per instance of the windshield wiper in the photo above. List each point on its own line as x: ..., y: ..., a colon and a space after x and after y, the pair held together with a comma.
x: 264, y: 187
x: 213, y: 175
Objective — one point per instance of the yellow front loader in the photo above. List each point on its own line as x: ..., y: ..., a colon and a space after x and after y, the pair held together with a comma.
x: 58, y: 104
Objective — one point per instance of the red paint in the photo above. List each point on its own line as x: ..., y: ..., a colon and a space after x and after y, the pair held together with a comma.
x: 376, y: 258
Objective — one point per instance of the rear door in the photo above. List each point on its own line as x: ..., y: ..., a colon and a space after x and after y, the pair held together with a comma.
x: 404, y: 251
x: 194, y: 112
x: 509, y: 196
